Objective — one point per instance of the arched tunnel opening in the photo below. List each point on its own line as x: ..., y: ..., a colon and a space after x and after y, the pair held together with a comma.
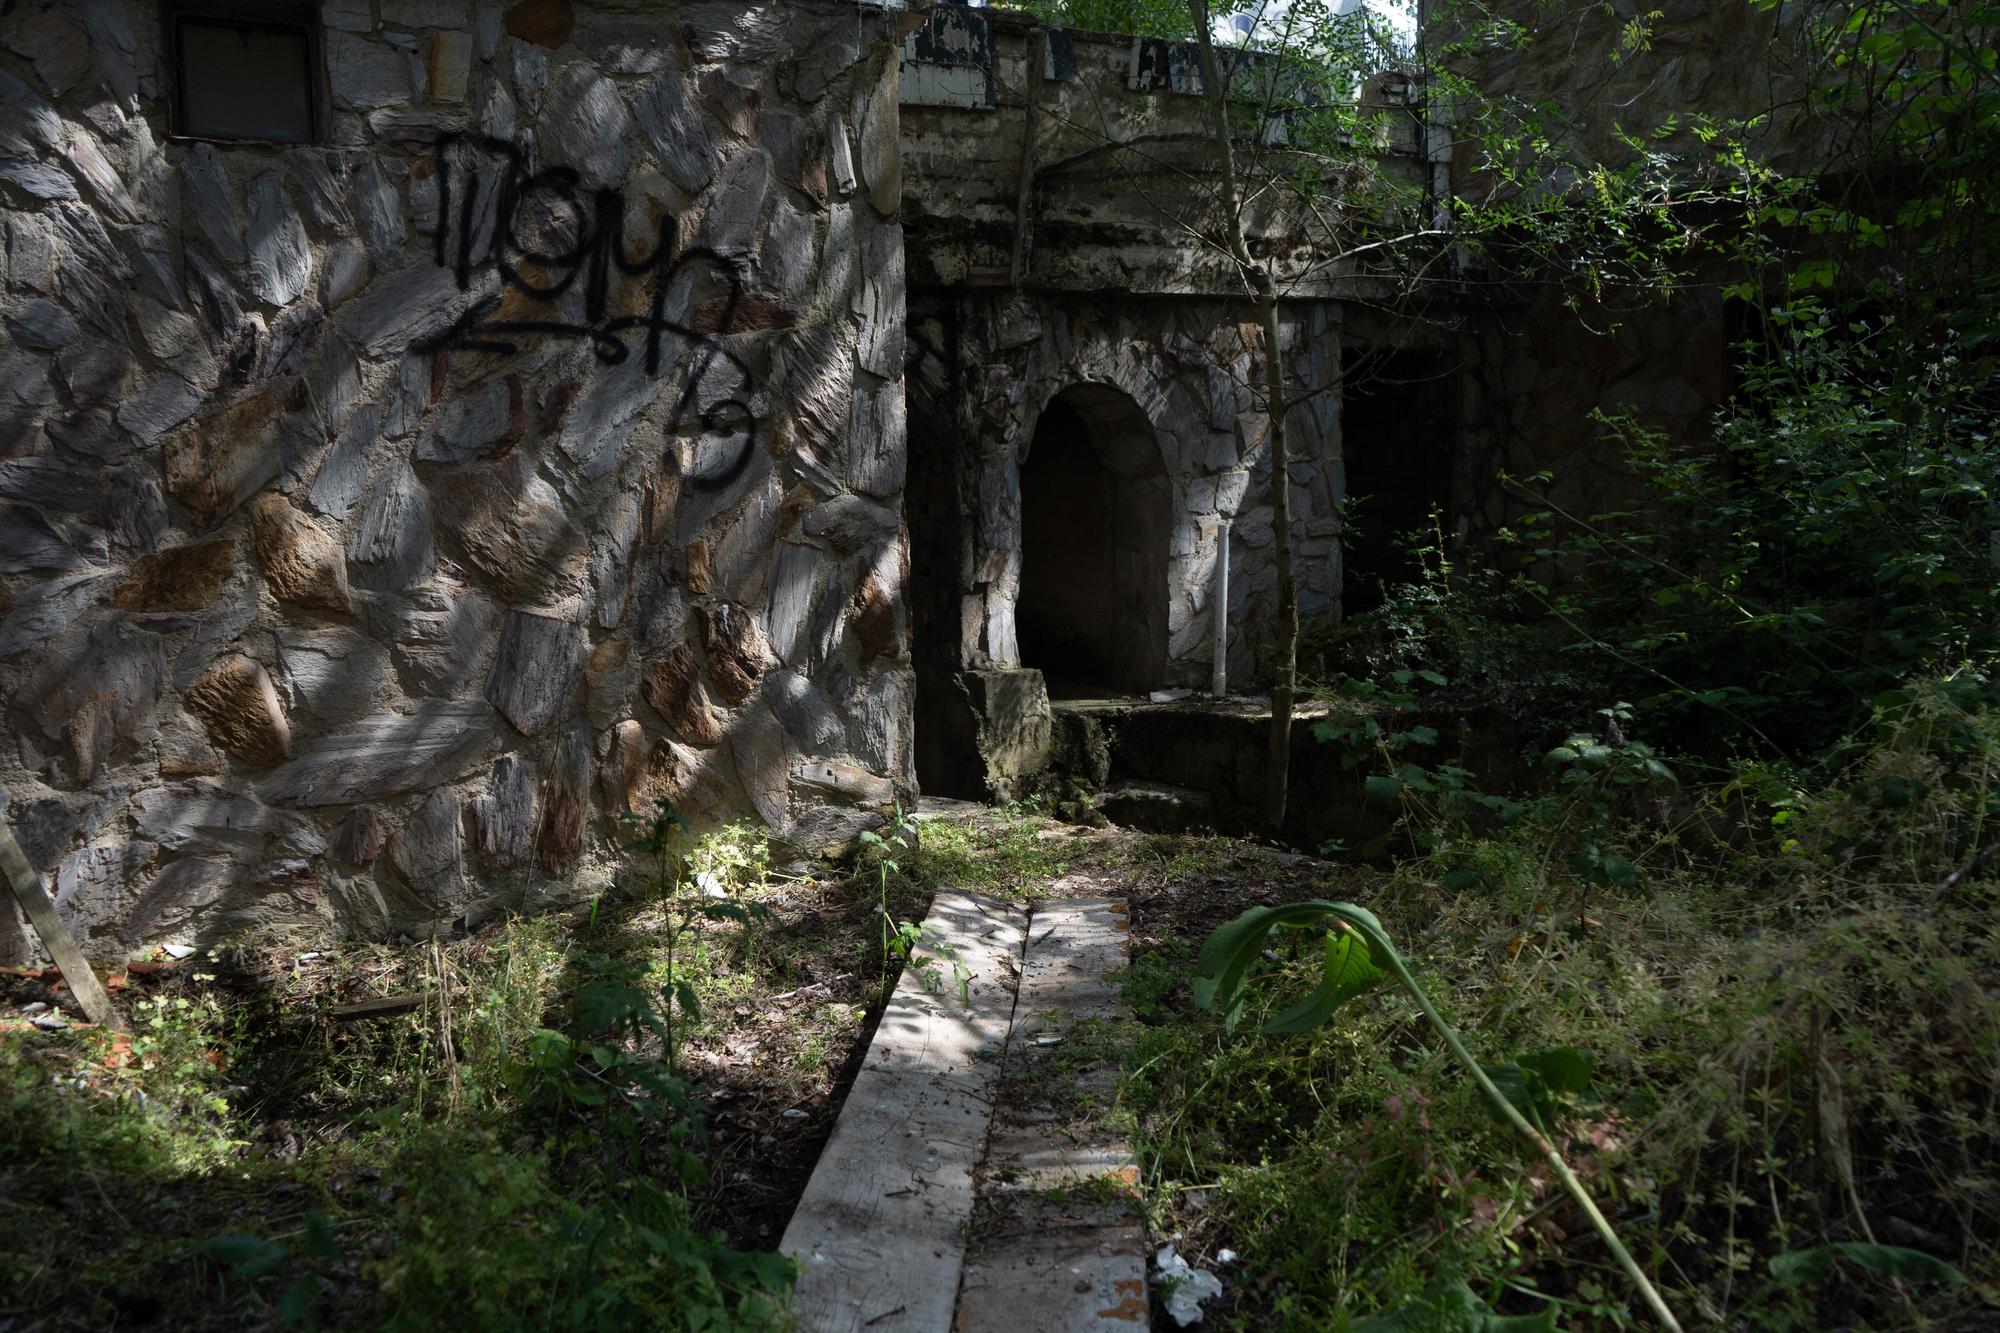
x: 1096, y: 519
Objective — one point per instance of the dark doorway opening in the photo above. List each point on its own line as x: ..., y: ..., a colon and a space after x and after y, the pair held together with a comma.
x: 1397, y: 428
x: 1096, y: 519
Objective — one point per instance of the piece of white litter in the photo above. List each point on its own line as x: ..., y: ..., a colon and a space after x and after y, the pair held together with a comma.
x: 179, y: 950
x: 794, y: 1114
x: 1189, y: 1286
x: 1225, y: 1256
x: 1170, y: 696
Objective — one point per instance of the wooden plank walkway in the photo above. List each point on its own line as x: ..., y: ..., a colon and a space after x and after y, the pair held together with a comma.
x: 1058, y: 1241
x: 939, y: 1141
x: 880, y: 1235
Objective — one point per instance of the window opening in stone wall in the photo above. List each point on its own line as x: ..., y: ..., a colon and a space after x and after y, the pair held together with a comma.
x: 1397, y: 428
x: 1095, y: 523
x: 247, y: 72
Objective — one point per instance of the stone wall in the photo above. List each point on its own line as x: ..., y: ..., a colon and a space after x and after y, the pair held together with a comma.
x: 1053, y: 181
x: 1117, y: 140
x: 984, y: 368
x: 381, y: 518
x: 1731, y: 61
x: 1538, y: 374
x: 1537, y: 369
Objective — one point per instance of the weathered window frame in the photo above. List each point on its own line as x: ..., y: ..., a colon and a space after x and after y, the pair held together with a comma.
x: 300, y: 17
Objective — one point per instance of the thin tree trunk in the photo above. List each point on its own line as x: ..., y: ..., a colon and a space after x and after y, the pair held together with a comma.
x: 1277, y: 772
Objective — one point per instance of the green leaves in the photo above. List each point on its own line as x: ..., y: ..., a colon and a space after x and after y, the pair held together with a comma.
x: 1534, y: 1084
x: 1798, y: 1267
x: 1449, y: 1305
x: 1221, y: 970
x: 251, y: 1258
x: 244, y: 1255
x: 689, y: 1002
x: 1349, y: 971
x: 1358, y: 954
x: 1382, y: 789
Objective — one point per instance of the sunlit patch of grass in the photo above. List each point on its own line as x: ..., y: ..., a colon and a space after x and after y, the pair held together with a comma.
x: 1003, y: 855
x: 1177, y: 857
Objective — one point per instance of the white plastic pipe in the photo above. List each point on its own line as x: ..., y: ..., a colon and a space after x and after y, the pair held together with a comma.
x: 1219, y: 682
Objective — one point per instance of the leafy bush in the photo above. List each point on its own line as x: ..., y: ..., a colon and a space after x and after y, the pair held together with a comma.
x: 489, y: 1236
x: 1835, y: 539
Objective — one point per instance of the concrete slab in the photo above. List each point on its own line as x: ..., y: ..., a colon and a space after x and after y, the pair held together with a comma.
x: 880, y: 1234
x: 1060, y: 1247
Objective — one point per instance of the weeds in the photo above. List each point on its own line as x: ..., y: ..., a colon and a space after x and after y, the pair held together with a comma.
x: 1360, y: 955
x: 521, y: 1150
x: 1795, y: 1038
x: 903, y: 939
x: 663, y: 843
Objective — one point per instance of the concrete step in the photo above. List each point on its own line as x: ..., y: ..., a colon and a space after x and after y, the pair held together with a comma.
x: 1157, y: 807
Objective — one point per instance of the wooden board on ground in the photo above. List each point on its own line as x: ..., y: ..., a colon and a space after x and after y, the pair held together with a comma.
x: 382, y: 1006
x: 1055, y: 1266
x: 1050, y: 1257
x: 880, y: 1235
x: 26, y: 882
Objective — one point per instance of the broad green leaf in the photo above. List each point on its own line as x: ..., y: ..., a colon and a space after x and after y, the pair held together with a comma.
x: 550, y: 1050
x: 295, y: 1305
x: 1232, y: 948
x: 1349, y: 971
x: 1523, y: 1090
x: 1380, y: 946
x: 320, y: 1242
x: 1382, y: 790
x: 243, y: 1254
x: 1449, y: 1305
x: 1562, y: 1068
x: 1532, y: 1082
x: 1802, y: 1266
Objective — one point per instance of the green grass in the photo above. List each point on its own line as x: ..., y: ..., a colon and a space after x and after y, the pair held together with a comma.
x: 1774, y: 1071
x: 252, y: 1162
x: 999, y: 854
x: 1797, y: 1042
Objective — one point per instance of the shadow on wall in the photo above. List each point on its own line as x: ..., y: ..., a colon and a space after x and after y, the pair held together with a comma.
x: 494, y: 500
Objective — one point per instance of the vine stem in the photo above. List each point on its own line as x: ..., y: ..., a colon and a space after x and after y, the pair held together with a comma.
x: 1527, y: 1131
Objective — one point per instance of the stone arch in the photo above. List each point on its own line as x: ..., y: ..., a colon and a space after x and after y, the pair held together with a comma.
x: 1096, y: 526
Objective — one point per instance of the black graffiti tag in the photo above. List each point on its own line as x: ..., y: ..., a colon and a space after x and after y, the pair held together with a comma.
x: 554, y: 241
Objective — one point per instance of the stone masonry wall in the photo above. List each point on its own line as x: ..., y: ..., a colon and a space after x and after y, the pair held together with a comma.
x: 380, y: 518
x: 985, y: 365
